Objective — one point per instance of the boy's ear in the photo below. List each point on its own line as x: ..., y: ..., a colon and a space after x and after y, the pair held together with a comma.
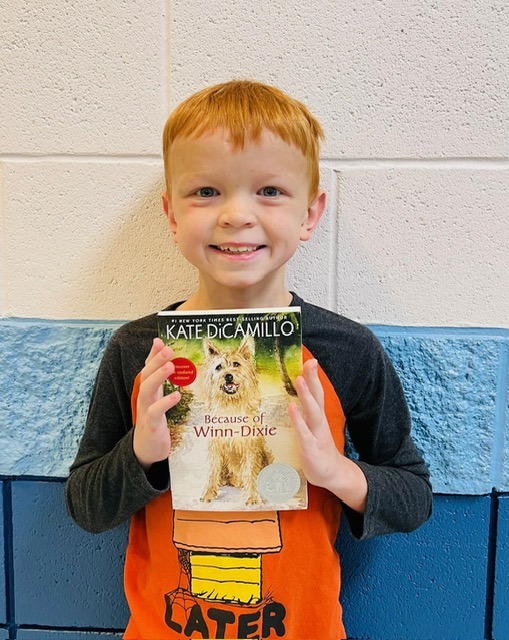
x: 314, y: 213
x: 169, y: 213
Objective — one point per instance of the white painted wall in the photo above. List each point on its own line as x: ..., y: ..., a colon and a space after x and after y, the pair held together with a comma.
x: 414, y: 99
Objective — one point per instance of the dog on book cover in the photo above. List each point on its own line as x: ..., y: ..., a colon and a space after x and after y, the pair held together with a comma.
x: 231, y: 387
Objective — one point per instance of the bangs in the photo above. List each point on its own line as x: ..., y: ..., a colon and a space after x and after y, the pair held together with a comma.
x: 243, y: 109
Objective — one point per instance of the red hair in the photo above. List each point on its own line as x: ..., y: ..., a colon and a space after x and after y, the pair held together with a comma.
x: 244, y: 108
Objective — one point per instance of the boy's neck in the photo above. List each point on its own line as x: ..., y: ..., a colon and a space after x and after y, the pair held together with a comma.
x: 236, y: 299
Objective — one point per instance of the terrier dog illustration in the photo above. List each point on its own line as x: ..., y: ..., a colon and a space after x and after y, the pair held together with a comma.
x: 231, y: 389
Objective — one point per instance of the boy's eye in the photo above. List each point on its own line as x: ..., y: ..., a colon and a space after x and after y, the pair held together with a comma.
x: 206, y: 192
x: 270, y: 192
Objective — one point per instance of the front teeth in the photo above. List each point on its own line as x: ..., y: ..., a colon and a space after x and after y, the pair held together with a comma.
x: 238, y: 249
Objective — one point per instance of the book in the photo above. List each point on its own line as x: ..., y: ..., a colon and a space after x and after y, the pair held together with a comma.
x: 233, y: 445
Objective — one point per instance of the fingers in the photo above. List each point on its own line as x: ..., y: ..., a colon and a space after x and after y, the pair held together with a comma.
x: 160, y: 407
x: 157, y: 346
x: 151, y: 383
x: 311, y: 396
x: 151, y: 402
x: 310, y: 374
x: 313, y: 413
x: 304, y: 435
x: 158, y: 367
x: 159, y: 355
x: 152, y: 441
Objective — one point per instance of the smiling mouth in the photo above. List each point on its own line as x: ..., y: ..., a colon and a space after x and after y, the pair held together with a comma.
x: 230, y: 388
x: 237, y: 250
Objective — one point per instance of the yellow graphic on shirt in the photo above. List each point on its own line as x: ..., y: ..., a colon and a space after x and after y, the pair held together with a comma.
x: 225, y: 552
x: 220, y: 590
x: 229, y: 578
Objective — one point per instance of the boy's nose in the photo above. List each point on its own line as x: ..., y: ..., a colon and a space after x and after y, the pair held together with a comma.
x: 236, y: 213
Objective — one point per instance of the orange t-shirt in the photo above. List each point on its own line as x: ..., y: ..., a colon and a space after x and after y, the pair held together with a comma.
x: 282, y: 565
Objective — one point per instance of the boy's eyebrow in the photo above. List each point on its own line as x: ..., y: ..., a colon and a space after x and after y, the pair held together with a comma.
x: 196, y: 180
x: 211, y: 174
x: 196, y: 173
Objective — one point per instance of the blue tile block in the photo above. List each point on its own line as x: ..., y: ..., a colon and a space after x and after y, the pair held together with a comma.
x: 501, y: 604
x: 49, y: 369
x: 43, y: 634
x: 3, y: 613
x: 425, y: 585
x: 64, y: 576
x: 451, y: 380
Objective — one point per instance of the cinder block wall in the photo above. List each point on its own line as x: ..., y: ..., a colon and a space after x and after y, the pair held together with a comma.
x: 414, y: 100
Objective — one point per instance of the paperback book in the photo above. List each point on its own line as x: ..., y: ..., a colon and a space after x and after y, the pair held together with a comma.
x: 233, y: 445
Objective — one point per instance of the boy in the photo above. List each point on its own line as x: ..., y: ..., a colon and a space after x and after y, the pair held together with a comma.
x: 241, y: 165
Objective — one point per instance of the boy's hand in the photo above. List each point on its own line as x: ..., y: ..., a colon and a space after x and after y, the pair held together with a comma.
x: 151, y: 441
x: 319, y: 457
x: 323, y: 465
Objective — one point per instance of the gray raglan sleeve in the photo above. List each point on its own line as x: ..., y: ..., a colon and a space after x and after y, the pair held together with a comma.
x: 378, y: 421
x: 106, y: 484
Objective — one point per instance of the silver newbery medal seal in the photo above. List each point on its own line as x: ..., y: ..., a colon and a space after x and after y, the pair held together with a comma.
x: 278, y: 482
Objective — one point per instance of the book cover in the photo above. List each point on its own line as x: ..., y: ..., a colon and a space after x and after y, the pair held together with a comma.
x: 233, y: 445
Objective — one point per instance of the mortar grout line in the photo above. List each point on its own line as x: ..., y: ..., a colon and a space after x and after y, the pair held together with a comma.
x: 10, y: 609
x: 491, y: 563
x: 332, y: 279
x: 166, y: 9
x: 44, y: 627
x: 334, y: 274
x: 416, y: 163
x: 147, y: 158
x: 330, y: 163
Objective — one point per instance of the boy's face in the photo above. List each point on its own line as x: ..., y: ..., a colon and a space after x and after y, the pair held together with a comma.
x: 238, y: 216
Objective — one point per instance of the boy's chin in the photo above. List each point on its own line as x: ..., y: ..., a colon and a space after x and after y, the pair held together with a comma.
x: 241, y: 294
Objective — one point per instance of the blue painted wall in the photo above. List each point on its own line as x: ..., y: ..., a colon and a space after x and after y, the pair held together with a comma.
x: 449, y: 580
x: 501, y: 604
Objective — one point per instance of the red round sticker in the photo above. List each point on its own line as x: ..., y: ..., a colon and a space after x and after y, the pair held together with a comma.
x: 184, y: 374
